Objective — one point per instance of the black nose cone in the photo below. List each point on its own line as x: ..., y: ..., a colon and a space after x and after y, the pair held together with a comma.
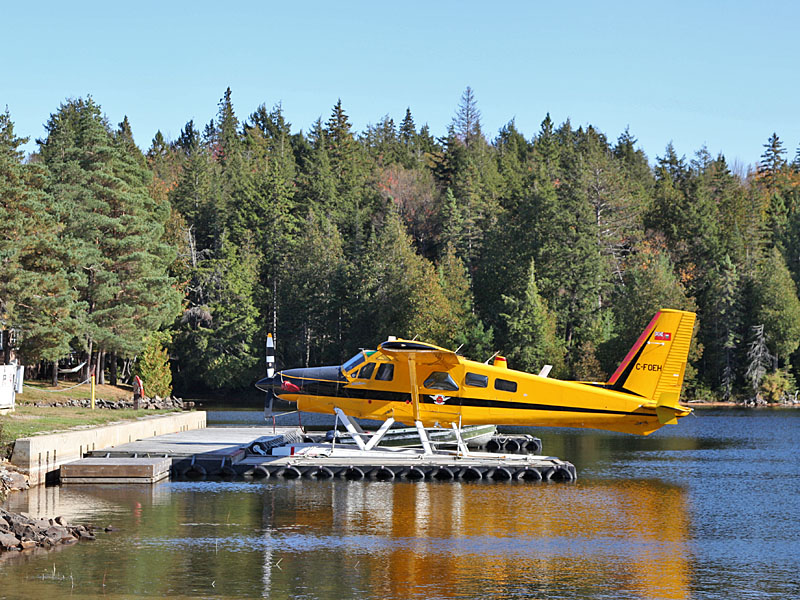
x: 267, y: 384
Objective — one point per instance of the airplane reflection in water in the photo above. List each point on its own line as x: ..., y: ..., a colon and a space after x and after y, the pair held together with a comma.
x: 401, y: 540
x: 601, y: 538
x: 428, y: 386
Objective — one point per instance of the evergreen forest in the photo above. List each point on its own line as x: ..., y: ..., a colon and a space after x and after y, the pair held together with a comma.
x: 555, y: 246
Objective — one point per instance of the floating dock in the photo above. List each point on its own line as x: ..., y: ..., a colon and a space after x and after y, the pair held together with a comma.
x: 118, y: 470
x: 287, y: 453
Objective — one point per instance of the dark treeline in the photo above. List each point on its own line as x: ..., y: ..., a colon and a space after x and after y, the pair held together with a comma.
x: 556, y: 247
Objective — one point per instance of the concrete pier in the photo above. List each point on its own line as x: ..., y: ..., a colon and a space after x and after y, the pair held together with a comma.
x: 41, y: 456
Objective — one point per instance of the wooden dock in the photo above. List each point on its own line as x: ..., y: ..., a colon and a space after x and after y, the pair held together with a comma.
x: 282, y: 452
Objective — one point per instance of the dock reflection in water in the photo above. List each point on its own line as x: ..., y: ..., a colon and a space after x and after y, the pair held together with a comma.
x: 621, y: 539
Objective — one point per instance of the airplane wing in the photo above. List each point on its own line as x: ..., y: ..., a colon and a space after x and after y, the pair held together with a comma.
x: 420, y: 352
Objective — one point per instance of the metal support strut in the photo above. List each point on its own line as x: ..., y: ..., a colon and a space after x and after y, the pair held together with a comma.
x: 462, y: 446
x: 423, y: 437
x: 358, y: 434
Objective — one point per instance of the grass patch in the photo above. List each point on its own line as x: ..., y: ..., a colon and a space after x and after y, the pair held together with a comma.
x: 28, y: 420
x: 38, y: 391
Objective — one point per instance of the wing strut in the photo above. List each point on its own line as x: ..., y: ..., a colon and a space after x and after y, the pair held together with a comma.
x: 412, y: 377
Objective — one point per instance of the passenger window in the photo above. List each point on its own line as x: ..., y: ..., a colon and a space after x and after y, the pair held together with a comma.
x: 439, y: 380
x: 475, y: 380
x: 385, y: 372
x: 366, y: 371
x: 505, y: 385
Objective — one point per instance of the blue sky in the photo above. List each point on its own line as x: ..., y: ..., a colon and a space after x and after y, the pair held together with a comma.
x: 694, y: 73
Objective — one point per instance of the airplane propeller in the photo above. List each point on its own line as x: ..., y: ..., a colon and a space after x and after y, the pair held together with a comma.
x: 270, y: 369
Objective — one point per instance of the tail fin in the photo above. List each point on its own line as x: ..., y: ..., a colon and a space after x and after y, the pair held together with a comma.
x: 655, y: 366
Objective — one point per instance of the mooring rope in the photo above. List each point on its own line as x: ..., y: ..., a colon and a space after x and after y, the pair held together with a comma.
x: 65, y: 389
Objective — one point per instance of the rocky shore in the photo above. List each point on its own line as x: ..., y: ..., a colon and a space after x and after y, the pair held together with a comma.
x: 155, y: 403
x: 11, y: 480
x: 20, y: 532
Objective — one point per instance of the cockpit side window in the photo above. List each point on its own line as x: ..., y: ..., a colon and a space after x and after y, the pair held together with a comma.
x: 385, y: 372
x: 366, y: 371
x: 476, y: 380
x: 439, y: 380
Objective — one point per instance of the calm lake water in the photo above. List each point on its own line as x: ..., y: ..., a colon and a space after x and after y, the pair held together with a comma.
x: 709, y: 508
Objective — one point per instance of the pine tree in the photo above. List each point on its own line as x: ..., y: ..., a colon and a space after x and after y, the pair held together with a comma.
x: 564, y: 232
x: 36, y: 296
x: 383, y: 144
x: 343, y: 151
x: 191, y: 195
x: 100, y: 185
x: 613, y: 201
x: 467, y: 166
x: 228, y: 143
x: 318, y: 187
x: 408, y: 131
x: 546, y: 149
x: 512, y: 164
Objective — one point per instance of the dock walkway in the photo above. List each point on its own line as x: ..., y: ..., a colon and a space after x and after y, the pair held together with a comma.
x: 239, y: 451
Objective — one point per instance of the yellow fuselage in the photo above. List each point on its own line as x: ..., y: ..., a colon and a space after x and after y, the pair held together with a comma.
x: 537, y: 401
x: 414, y: 381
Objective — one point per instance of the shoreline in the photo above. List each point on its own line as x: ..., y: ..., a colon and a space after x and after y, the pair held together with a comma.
x: 736, y: 405
x: 19, y: 532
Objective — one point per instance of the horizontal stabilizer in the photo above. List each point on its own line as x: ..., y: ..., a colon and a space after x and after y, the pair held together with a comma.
x: 668, y: 409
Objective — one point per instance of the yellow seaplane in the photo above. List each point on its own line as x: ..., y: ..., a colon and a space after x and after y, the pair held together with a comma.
x: 420, y: 383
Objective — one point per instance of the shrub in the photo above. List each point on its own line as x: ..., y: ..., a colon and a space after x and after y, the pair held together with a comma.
x: 777, y: 386
x: 153, y: 367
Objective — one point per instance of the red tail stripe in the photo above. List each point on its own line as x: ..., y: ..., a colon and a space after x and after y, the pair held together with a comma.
x: 642, y: 339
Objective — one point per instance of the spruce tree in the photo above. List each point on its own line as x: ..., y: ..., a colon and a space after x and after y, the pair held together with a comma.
x: 309, y: 315
x: 153, y: 367
x: 777, y: 306
x: 469, y: 332
x: 723, y: 324
x: 216, y: 340
x: 650, y: 283
x: 467, y: 122
x: 772, y: 180
x: 532, y: 340
x: 400, y: 293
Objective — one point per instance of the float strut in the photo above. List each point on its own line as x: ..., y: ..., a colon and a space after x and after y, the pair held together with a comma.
x: 462, y: 447
x: 376, y: 439
x: 353, y: 428
x: 423, y: 437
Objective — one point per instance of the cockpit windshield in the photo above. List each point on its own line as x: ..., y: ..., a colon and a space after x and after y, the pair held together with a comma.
x: 357, y: 360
